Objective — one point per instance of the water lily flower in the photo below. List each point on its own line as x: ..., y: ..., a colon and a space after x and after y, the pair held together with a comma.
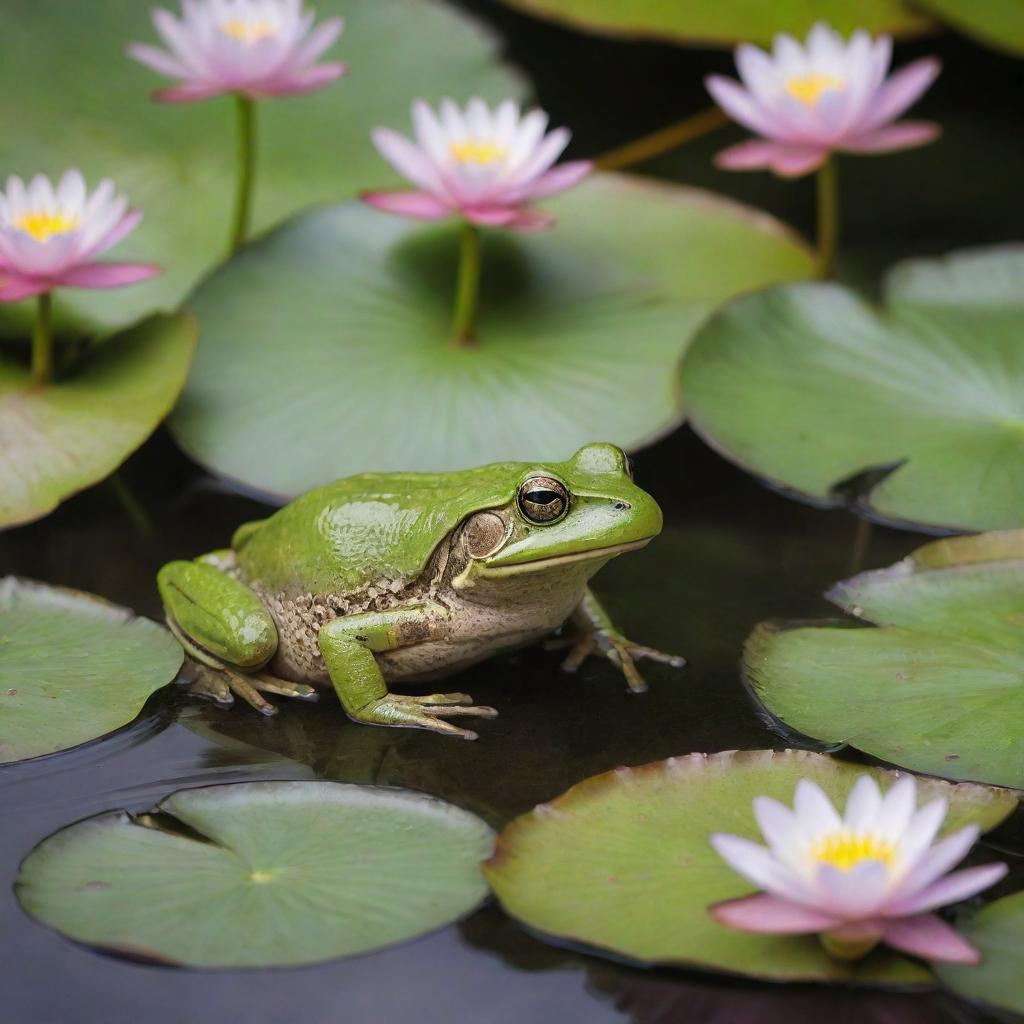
x: 50, y: 237
x: 482, y: 165
x: 873, y: 875
x: 808, y: 101
x: 252, y: 48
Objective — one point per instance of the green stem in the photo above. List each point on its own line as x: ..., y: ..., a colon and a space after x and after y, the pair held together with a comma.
x: 42, y: 341
x: 245, y: 110
x: 467, y: 288
x: 862, y: 536
x: 664, y: 140
x: 828, y: 217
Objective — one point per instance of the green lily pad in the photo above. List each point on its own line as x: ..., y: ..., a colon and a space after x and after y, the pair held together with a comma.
x: 725, y: 22
x: 73, y: 667
x: 72, y: 433
x: 260, y: 874
x: 998, y: 931
x: 922, y: 403
x: 938, y: 687
x: 996, y: 23
x: 177, y: 161
x: 326, y: 345
x: 622, y: 862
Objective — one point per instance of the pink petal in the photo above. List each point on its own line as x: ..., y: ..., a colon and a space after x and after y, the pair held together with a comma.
x: 901, y: 90
x: 772, y: 916
x: 935, y: 862
x: 930, y: 937
x: 760, y: 154
x: 189, y: 92
x: 106, y: 275
x: 955, y: 887
x: 408, y: 159
x: 421, y: 205
x: 158, y: 60
x: 556, y: 180
x: 527, y: 221
x: 740, y: 105
x: 490, y: 216
x: 300, y: 82
x: 903, y: 135
x: 318, y: 41
x: 124, y: 227
x: 14, y: 288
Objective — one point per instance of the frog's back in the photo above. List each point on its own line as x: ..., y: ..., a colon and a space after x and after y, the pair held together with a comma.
x: 368, y: 529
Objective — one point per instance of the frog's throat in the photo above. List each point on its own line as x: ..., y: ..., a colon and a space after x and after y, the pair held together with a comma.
x: 593, y: 555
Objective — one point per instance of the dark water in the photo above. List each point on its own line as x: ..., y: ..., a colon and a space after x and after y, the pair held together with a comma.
x: 732, y: 554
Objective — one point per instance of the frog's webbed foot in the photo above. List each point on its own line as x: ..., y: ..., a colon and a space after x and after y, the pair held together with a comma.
x: 223, y: 685
x: 618, y: 650
x: 594, y: 633
x: 428, y: 712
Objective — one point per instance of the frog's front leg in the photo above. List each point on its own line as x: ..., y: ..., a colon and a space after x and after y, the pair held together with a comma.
x: 595, y: 633
x: 225, y: 627
x: 348, y: 645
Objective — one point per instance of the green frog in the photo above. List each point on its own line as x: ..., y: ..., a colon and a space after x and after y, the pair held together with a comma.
x: 408, y: 577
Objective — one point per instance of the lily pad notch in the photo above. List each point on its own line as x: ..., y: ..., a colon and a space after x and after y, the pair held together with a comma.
x: 933, y: 677
x: 260, y: 874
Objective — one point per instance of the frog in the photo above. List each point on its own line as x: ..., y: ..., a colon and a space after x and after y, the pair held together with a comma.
x: 408, y: 577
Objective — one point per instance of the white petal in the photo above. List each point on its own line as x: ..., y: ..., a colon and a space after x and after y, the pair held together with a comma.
x: 71, y: 192
x: 862, y: 804
x: 411, y: 162
x: 854, y: 894
x: 897, y: 808
x: 944, y: 855
x: 814, y: 810
x: 921, y: 830
x: 758, y: 866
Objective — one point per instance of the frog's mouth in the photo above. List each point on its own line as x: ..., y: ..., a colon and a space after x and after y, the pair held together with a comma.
x: 590, y: 555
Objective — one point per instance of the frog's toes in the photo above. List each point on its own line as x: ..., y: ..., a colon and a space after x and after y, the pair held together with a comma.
x: 429, y: 712
x: 284, y: 687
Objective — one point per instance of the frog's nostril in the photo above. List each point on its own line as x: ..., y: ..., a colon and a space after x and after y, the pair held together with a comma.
x: 621, y: 506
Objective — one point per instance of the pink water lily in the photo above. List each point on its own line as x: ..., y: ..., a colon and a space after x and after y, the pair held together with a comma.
x: 482, y: 165
x: 50, y: 237
x: 253, y: 48
x: 807, y: 101
x: 873, y: 875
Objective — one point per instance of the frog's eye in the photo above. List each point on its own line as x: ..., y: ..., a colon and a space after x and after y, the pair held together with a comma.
x: 629, y: 468
x: 543, y: 499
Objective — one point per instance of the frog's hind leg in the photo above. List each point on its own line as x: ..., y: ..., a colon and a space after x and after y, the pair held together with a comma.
x: 224, y: 626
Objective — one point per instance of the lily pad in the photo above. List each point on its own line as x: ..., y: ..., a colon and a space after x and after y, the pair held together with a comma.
x: 73, y: 667
x: 913, y: 415
x: 260, y: 874
x: 998, y: 931
x: 326, y: 346
x: 61, y: 438
x: 938, y: 688
x: 177, y: 161
x: 996, y: 23
x: 622, y: 862
x: 725, y: 22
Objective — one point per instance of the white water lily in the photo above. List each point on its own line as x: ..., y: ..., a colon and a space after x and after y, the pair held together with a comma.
x: 872, y: 875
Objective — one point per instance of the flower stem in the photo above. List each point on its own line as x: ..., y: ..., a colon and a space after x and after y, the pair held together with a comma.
x: 467, y: 288
x: 42, y: 341
x: 664, y: 140
x: 245, y: 110
x: 828, y: 217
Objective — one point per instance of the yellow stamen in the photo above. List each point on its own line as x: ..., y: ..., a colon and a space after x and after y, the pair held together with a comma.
x: 809, y: 88
x: 43, y: 226
x: 248, y: 32
x: 845, y: 850
x: 473, y: 152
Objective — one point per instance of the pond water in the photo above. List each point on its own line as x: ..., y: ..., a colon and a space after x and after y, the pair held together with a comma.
x: 732, y: 554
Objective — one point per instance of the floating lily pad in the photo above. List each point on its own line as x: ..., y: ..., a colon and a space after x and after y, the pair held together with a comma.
x: 996, y: 23
x: 58, y: 439
x: 326, y: 346
x: 178, y: 161
x: 73, y: 667
x: 912, y: 415
x: 938, y: 688
x: 260, y: 874
x: 725, y: 22
x: 622, y: 862
x: 998, y: 932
